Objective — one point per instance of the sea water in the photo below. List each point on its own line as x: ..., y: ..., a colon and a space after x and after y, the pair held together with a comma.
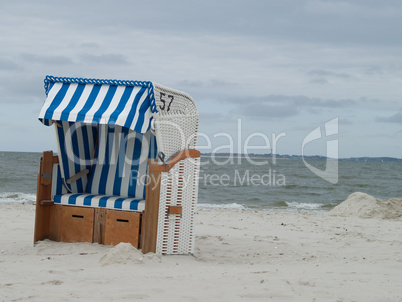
x: 270, y: 185
x: 289, y: 184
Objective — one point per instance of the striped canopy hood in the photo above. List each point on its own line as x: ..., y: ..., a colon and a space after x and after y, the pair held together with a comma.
x: 129, y: 104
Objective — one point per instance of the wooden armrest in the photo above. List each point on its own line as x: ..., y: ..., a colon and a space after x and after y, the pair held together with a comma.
x: 189, y: 153
x: 77, y: 176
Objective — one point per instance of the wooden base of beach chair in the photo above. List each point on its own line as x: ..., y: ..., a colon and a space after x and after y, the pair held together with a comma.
x: 104, y: 226
x: 71, y: 224
x: 79, y: 224
x: 165, y: 227
x: 122, y: 227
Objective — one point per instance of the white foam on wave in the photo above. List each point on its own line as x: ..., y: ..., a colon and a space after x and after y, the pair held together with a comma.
x: 208, y: 206
x: 17, y: 197
x: 307, y: 207
x: 301, y: 205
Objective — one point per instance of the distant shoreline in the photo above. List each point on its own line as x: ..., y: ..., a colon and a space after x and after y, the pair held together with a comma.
x: 279, y: 156
x: 299, y: 157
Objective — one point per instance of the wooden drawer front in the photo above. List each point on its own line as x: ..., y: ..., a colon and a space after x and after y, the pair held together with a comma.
x: 77, y: 224
x: 122, y: 227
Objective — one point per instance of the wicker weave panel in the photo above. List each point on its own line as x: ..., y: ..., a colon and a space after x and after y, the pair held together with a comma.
x: 171, y: 100
x: 175, y: 132
x: 176, y: 123
x: 179, y: 187
x: 176, y: 129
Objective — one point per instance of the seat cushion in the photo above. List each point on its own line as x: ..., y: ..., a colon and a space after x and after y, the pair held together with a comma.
x: 101, y: 201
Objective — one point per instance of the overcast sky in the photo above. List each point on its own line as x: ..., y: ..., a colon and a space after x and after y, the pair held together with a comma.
x: 281, y: 67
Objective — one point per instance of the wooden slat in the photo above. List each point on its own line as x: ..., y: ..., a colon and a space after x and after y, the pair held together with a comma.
x: 149, y: 230
x: 47, y: 168
x: 42, y: 212
x: 55, y: 220
x: 77, y: 224
x: 122, y: 226
x: 142, y: 227
x: 99, y: 225
x: 175, y: 210
x: 77, y: 176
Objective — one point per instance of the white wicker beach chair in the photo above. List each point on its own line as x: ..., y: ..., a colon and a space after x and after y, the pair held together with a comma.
x: 126, y: 168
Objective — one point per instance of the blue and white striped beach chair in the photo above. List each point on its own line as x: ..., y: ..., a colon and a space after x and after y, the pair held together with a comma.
x: 126, y: 168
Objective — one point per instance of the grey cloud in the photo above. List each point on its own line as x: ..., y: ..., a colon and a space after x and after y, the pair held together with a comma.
x: 302, y: 128
x: 46, y: 59
x: 193, y: 84
x: 321, y: 81
x: 345, y: 121
x: 6, y: 64
x: 326, y: 73
x: 354, y: 22
x: 393, y: 67
x: 92, y: 45
x: 351, y: 21
x: 396, y: 118
x: 263, y: 111
x: 213, y: 117
x: 297, y: 101
x: 374, y: 70
x: 329, y: 103
x: 219, y: 83
x: 320, y: 76
x: 205, y: 84
x: 105, y: 59
x: 282, y: 106
x: 24, y: 89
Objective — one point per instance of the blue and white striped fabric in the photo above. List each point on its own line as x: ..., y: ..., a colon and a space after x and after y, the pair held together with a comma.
x: 116, y: 158
x: 77, y: 100
x: 57, y: 184
x: 102, y: 126
x: 76, y: 149
x: 121, y: 161
x: 101, y: 201
x: 60, y: 196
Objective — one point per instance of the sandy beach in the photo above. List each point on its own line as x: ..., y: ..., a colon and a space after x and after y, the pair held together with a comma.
x: 352, y: 253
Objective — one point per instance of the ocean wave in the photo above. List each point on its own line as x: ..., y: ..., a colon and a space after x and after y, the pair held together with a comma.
x: 305, y: 206
x: 208, y: 206
x: 17, y: 197
x: 278, y: 204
